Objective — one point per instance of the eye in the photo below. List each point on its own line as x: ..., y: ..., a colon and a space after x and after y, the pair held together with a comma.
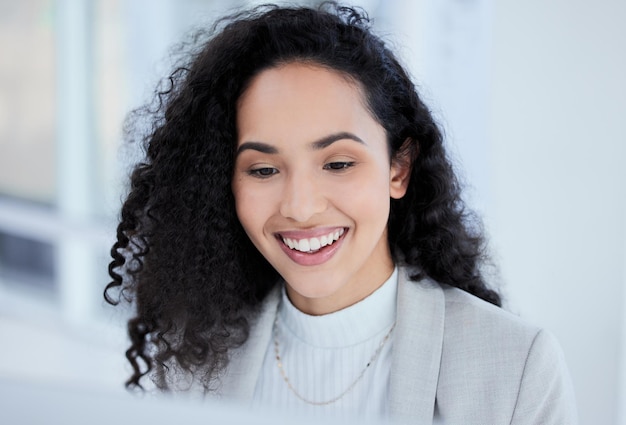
x: 338, y: 166
x: 263, y: 172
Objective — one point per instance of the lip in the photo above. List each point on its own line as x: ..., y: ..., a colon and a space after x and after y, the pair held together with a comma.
x: 318, y: 257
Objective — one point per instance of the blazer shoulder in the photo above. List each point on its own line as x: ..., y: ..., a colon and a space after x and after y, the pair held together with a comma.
x: 505, y: 361
x: 481, y: 339
x: 473, y: 317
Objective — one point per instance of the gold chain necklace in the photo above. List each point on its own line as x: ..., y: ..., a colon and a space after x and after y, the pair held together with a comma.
x: 347, y: 390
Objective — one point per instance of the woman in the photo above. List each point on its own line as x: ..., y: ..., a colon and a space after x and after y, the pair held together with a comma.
x: 295, y: 237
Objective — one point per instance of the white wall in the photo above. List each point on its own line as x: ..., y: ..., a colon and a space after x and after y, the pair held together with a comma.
x: 531, y: 95
x: 558, y: 147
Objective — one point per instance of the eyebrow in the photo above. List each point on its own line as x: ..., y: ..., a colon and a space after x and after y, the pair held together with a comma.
x: 257, y: 146
x: 330, y: 139
x: 322, y: 143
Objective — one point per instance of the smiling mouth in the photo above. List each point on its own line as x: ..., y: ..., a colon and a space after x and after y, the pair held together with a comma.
x: 312, y: 245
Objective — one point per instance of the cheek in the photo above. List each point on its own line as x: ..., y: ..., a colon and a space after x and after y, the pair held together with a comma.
x: 367, y: 195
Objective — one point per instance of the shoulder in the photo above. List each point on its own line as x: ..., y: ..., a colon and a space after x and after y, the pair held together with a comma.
x: 480, y: 363
x: 469, y: 317
x: 465, y: 318
x: 502, y: 361
x: 482, y: 340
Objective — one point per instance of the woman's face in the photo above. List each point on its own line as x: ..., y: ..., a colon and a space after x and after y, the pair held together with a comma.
x: 312, y: 185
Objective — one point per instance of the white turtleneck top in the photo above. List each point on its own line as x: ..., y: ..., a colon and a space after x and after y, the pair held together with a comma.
x: 324, y: 355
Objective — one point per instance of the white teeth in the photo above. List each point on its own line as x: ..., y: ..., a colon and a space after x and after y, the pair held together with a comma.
x: 305, y: 246
x: 313, y: 244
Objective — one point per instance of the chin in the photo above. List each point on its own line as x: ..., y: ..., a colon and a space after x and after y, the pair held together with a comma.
x: 314, y: 291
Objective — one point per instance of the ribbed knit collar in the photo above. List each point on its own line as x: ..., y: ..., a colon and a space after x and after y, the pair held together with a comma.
x: 346, y: 327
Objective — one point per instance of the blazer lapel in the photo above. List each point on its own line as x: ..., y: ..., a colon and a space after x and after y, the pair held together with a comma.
x: 243, y: 371
x: 417, y: 346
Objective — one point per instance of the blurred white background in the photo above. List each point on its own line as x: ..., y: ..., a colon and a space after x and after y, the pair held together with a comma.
x: 530, y: 94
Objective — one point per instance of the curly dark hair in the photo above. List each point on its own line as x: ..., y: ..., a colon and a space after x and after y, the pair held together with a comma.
x: 181, y: 255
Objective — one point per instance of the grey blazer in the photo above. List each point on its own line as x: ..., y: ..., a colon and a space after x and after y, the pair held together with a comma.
x: 456, y: 360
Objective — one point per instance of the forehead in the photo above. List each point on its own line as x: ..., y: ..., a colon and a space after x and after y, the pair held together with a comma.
x: 304, y: 69
x: 301, y: 94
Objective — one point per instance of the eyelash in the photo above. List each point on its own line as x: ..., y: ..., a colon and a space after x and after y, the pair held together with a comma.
x: 339, y: 165
x: 267, y: 172
x: 261, y: 172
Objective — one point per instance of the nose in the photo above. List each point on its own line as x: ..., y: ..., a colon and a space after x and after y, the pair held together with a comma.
x: 302, y: 198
